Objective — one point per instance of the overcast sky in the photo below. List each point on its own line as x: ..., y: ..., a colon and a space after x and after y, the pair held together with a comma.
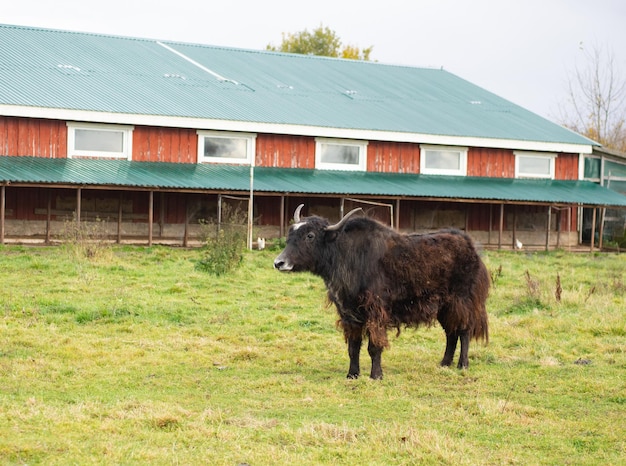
x: 522, y: 50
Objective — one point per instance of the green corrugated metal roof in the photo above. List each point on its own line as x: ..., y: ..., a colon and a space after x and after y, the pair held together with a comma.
x: 90, y: 72
x: 216, y: 177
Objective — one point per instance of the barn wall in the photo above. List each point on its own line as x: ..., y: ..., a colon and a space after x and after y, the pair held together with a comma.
x: 566, y: 167
x: 393, y: 157
x: 493, y: 163
x: 48, y: 138
x: 26, y: 208
x: 273, y: 150
x: 154, y: 144
x: 33, y: 137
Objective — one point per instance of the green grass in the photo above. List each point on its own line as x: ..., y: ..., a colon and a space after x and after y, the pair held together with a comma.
x: 136, y: 357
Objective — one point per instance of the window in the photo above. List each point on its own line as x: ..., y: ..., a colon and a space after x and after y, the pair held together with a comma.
x: 222, y: 147
x: 440, y: 160
x: 95, y: 140
x: 340, y: 154
x: 534, y: 165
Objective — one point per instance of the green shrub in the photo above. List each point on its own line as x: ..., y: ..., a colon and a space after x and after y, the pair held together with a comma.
x: 86, y: 239
x: 224, y: 243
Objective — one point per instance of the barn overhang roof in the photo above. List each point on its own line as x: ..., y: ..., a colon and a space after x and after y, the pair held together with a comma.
x: 123, y: 174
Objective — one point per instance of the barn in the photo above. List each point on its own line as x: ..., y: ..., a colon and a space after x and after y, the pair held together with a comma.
x: 150, y: 138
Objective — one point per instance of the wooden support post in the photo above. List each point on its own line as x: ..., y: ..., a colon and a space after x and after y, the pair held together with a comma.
x: 548, y: 228
x: 490, y: 223
x: 501, y: 226
x: 2, y: 212
x: 219, y: 214
x: 186, y: 232
x: 569, y: 228
x: 48, y: 216
x: 150, y: 216
x: 78, y: 207
x: 397, y: 214
x: 558, y: 228
x: 466, y: 223
x: 120, y: 209
x: 601, y: 232
x: 593, y: 229
x: 162, y: 215
x: 514, y: 235
x: 282, y: 216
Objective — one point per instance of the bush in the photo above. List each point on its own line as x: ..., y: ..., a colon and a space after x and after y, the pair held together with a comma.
x: 85, y: 239
x: 225, y: 243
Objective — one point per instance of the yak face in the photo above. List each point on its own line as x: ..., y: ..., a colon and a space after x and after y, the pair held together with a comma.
x: 304, y: 240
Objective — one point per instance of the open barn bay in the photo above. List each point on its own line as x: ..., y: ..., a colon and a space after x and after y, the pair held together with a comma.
x: 132, y: 356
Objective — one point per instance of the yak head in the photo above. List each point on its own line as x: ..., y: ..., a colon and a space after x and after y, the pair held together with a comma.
x: 306, y: 242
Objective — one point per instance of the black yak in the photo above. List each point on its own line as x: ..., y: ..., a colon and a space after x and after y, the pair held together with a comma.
x: 380, y: 279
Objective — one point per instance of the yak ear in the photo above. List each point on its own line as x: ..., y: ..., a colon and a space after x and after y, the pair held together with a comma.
x: 332, y: 231
x: 330, y: 235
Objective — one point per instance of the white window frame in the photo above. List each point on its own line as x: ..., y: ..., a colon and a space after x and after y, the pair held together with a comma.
x: 127, y: 141
x: 461, y: 171
x: 536, y: 155
x: 249, y: 138
x: 361, y: 145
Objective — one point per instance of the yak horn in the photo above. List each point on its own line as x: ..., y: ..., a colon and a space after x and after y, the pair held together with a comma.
x: 340, y: 223
x: 296, y: 214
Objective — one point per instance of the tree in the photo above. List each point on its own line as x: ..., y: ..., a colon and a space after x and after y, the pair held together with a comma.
x: 322, y: 41
x: 597, y: 100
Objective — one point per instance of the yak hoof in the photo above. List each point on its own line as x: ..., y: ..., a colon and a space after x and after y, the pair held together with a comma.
x: 352, y: 376
x: 445, y: 363
x: 462, y: 365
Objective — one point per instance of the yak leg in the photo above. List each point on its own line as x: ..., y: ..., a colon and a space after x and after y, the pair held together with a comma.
x: 354, y: 350
x: 451, y: 340
x: 464, y: 336
x: 376, y: 355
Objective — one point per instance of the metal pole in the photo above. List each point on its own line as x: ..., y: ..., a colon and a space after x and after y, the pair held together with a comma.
x: 251, y: 205
x: 78, y: 208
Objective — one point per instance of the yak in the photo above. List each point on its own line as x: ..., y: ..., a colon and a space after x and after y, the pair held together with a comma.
x: 380, y: 279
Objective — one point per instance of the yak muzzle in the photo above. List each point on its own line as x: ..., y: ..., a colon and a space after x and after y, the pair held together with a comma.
x: 281, y: 264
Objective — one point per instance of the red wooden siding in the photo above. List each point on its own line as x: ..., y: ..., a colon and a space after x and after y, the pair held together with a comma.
x: 153, y: 144
x: 33, y: 137
x: 493, y: 163
x: 274, y: 150
x: 393, y: 157
x: 566, y: 167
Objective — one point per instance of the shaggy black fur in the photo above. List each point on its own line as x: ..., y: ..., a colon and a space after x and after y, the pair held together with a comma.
x: 380, y: 279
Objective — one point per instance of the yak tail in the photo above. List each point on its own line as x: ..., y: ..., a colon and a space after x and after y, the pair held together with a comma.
x: 480, y: 324
x: 480, y: 330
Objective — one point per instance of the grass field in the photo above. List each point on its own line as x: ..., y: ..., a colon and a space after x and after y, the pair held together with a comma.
x: 135, y: 357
